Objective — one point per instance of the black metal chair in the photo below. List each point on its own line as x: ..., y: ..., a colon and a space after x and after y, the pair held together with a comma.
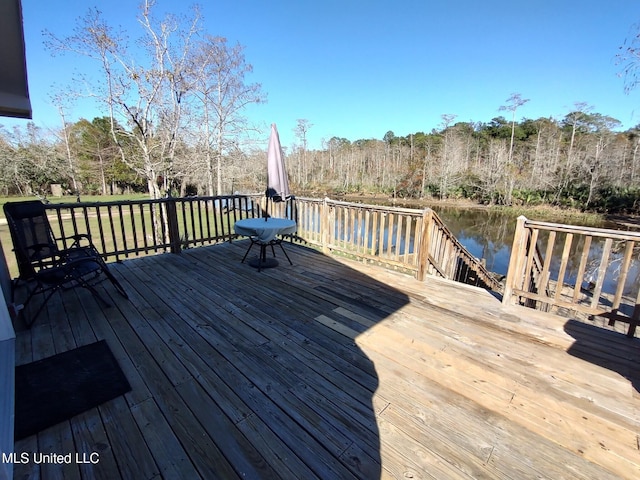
x: 43, y: 265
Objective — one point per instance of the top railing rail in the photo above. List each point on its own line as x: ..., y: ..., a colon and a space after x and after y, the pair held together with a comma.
x: 413, y: 240
x: 410, y: 239
x: 121, y: 229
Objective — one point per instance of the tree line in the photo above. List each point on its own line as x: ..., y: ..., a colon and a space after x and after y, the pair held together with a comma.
x: 173, y: 123
x: 581, y: 160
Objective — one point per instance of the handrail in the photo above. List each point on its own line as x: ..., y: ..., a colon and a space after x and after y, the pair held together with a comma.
x: 416, y: 241
x: 550, y: 280
x: 410, y: 239
x: 466, y: 268
x: 592, y: 231
x: 121, y: 229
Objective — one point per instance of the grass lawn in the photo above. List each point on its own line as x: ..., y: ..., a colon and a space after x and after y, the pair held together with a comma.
x: 72, y: 199
x: 124, y: 228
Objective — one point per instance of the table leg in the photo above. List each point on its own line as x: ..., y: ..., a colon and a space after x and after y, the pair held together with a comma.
x: 262, y: 261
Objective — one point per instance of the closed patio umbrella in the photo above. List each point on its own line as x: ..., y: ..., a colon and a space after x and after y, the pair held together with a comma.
x: 277, y: 181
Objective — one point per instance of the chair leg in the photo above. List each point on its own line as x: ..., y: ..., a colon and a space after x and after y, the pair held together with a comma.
x: 35, y: 316
x: 247, y: 252
x: 116, y: 283
x: 97, y: 295
x: 285, y: 254
x: 50, y: 293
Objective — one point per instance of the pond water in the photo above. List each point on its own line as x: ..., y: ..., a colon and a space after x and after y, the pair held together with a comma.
x: 488, y: 234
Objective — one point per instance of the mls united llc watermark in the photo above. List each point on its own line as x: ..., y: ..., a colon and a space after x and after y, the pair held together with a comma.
x: 54, y: 458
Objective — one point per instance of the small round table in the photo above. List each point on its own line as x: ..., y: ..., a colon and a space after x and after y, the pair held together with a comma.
x: 265, y: 232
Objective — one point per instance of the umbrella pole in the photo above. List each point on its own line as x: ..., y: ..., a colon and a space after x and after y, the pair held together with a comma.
x: 266, y: 208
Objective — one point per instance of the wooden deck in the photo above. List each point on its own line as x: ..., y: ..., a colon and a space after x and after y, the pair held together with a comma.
x: 333, y: 369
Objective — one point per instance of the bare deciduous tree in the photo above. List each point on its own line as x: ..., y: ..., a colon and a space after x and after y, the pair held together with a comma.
x: 629, y: 58
x: 144, y: 96
x: 61, y: 102
x: 217, y: 76
x: 302, y: 128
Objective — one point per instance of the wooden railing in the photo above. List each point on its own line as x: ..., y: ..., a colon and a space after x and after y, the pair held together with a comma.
x: 409, y: 239
x: 129, y: 228
x: 413, y: 240
x: 577, y: 268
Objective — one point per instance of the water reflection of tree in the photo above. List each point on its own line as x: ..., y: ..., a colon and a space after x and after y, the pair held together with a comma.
x: 491, y: 231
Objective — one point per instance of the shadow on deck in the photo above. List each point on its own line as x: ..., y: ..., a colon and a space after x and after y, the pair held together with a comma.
x: 329, y: 369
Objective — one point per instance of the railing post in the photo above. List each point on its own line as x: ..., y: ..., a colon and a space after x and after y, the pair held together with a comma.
x: 324, y: 226
x: 518, y: 251
x: 425, y: 244
x: 172, y: 224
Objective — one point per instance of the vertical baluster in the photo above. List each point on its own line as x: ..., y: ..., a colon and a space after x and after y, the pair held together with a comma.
x: 74, y: 222
x: 358, y: 230
x: 350, y: 227
x: 381, y: 229
x: 375, y: 226
x: 424, y: 244
x: 581, y: 268
x: 624, y: 273
x: 200, y: 222
x: 345, y: 225
x: 183, y: 213
x: 390, y: 234
x: 101, y: 231
x: 602, y: 271
x: 123, y: 231
x: 188, y: 238
x: 113, y: 232
x: 302, y: 219
x: 409, y: 225
x: 342, y: 219
x: 206, y: 204
x: 529, y: 270
x: 396, y: 255
x: 134, y: 230
x: 441, y: 242
x: 367, y: 239
x: 219, y: 215
x: 61, y: 226
x: 87, y: 225
x: 563, y: 265
x: 546, y: 267
x: 145, y: 240
x: 327, y: 226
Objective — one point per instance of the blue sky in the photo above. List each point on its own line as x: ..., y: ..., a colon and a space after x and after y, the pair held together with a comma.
x: 359, y: 68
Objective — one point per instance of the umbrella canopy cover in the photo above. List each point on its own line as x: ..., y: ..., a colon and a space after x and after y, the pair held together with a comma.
x: 277, y: 181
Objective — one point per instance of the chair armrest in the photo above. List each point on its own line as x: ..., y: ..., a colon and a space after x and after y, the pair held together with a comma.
x: 77, y: 240
x: 79, y: 236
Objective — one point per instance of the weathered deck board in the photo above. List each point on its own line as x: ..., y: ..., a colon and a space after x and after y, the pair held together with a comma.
x: 335, y: 369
